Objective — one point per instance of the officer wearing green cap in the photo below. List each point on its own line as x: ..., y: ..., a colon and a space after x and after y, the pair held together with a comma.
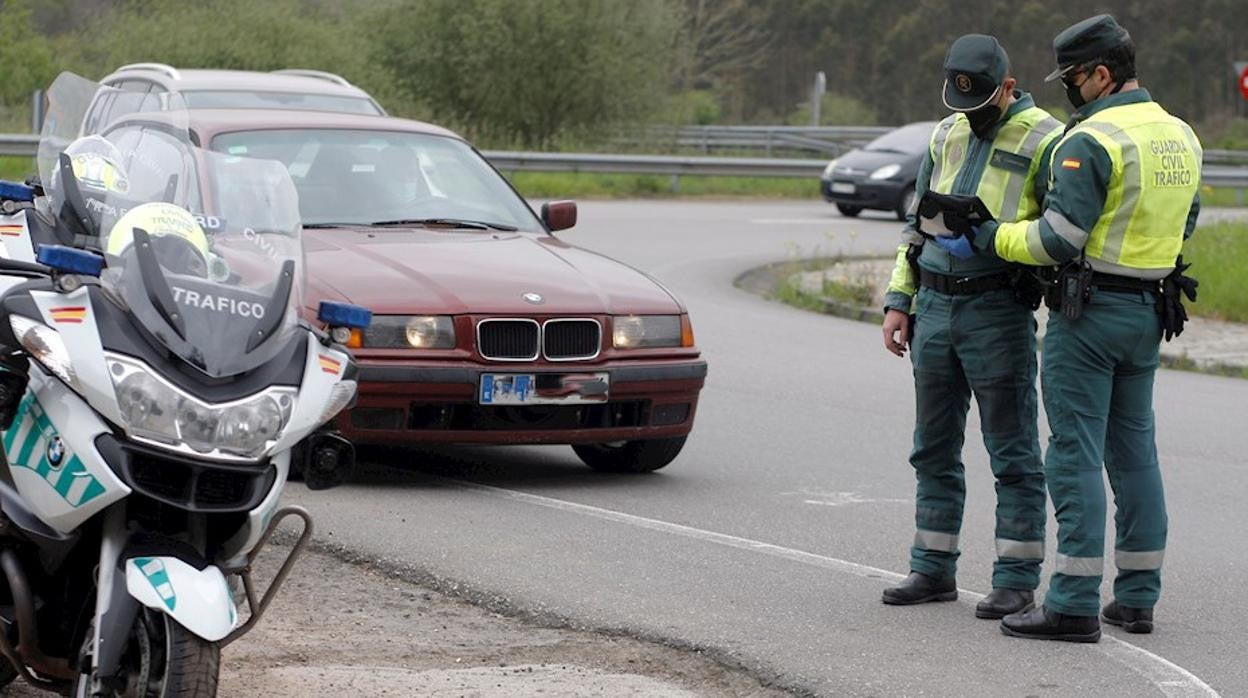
x: 1122, y: 201
x: 973, y: 337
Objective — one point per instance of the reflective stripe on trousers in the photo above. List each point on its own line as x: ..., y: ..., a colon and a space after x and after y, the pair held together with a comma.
x: 935, y: 540
x: 1020, y: 549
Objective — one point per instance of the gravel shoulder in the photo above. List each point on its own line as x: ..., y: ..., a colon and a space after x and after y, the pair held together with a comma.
x: 346, y: 629
x: 339, y: 629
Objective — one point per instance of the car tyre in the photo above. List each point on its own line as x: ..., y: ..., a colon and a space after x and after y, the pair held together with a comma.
x: 904, y: 203
x: 849, y: 211
x: 630, y: 456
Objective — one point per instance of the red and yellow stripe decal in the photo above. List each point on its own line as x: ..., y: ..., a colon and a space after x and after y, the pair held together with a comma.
x: 330, y: 364
x: 1071, y: 164
x: 69, y: 314
x: 12, y: 230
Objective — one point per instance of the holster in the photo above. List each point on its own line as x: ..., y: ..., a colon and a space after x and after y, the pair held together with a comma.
x: 1029, y: 288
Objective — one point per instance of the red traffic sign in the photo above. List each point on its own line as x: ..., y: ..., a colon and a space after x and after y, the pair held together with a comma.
x: 1243, y: 83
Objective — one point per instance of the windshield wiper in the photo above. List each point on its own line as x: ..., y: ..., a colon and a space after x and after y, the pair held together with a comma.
x: 454, y: 222
x: 330, y: 225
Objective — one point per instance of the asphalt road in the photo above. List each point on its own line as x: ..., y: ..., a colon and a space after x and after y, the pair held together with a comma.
x: 768, y: 541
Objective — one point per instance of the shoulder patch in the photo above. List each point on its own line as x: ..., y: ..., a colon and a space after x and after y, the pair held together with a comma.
x: 1071, y: 163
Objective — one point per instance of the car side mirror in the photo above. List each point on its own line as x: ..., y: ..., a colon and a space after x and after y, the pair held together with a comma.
x: 559, y: 215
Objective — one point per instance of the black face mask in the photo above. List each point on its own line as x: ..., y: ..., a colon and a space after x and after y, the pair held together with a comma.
x: 1075, y: 96
x: 983, y: 119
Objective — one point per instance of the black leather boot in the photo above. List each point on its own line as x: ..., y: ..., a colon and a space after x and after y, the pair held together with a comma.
x: 920, y: 588
x: 1002, y: 602
x: 1043, y: 624
x: 1132, y: 620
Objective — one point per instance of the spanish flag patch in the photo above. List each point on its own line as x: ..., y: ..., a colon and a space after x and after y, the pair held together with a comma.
x: 330, y: 365
x: 11, y: 230
x: 1071, y: 164
x: 69, y: 314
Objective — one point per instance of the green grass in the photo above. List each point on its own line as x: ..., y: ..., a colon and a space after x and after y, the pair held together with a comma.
x: 16, y: 169
x: 1223, y: 198
x: 585, y: 185
x: 1219, y: 257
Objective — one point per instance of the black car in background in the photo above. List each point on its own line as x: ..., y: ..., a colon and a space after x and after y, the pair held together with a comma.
x: 881, y: 174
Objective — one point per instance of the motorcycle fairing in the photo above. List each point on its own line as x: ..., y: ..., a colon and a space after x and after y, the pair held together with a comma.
x: 52, y: 457
x: 199, y: 600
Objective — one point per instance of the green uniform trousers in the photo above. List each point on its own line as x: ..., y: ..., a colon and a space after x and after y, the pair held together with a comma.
x: 1098, y: 395
x: 982, y: 345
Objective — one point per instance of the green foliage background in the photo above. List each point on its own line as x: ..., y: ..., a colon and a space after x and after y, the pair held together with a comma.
x: 572, y: 73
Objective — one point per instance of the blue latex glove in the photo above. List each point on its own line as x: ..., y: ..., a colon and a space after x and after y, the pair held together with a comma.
x: 959, y: 247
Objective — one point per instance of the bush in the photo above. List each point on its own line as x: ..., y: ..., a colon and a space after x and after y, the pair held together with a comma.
x: 527, y: 71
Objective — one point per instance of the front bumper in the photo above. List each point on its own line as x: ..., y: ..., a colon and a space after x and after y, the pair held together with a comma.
x: 427, y: 402
x: 883, y: 194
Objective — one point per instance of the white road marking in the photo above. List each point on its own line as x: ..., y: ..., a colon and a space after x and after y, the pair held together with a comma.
x: 836, y: 499
x: 1169, y: 678
x: 795, y: 221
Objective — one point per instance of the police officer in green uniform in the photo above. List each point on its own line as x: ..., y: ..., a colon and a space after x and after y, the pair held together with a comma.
x: 972, y: 336
x: 1122, y: 201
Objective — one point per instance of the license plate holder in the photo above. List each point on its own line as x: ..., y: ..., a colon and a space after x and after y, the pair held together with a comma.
x: 543, y: 388
x: 843, y: 188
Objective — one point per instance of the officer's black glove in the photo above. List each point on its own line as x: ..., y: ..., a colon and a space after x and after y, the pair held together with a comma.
x: 950, y: 215
x: 1170, y: 303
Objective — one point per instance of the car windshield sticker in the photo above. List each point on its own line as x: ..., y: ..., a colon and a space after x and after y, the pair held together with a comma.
x: 154, y: 570
x: 32, y: 443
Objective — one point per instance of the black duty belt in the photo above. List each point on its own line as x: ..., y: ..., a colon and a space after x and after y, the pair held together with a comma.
x: 964, y: 286
x: 1124, y: 284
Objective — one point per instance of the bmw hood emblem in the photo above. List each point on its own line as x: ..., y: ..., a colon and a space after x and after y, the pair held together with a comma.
x: 56, y: 451
x: 534, y: 298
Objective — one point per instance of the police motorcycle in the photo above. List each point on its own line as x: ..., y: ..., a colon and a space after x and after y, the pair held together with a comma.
x: 154, y: 291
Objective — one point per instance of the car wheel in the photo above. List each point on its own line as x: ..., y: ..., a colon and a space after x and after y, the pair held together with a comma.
x: 849, y: 211
x: 630, y: 456
x: 904, y: 203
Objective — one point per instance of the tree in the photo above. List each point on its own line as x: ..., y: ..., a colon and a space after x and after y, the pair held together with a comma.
x: 529, y: 71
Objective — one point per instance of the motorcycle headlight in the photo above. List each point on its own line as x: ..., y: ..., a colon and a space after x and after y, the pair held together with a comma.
x: 45, y: 345
x: 248, y: 427
x: 646, y: 331
x: 152, y: 409
x: 886, y: 171
x: 410, y: 332
x: 148, y: 407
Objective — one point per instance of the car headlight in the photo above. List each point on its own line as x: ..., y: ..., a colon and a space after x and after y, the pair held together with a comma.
x: 886, y: 171
x: 45, y: 345
x: 152, y: 409
x: 414, y: 332
x: 646, y: 331
x: 827, y: 171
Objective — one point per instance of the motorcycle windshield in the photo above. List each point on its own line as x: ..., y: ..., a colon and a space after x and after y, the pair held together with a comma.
x: 204, y: 249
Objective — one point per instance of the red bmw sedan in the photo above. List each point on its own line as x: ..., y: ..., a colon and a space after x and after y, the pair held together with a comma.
x: 487, y: 327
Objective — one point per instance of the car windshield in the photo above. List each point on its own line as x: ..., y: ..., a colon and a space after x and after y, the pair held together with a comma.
x: 910, y: 140
x: 356, y: 177
x: 247, y: 99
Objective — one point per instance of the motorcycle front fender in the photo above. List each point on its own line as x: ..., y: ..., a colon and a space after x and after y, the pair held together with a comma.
x: 199, y: 600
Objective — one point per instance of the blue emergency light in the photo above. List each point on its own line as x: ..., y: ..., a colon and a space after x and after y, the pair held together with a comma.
x: 344, y: 315
x: 13, y: 191
x: 70, y: 260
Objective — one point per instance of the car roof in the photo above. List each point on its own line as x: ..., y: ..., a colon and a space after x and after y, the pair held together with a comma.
x: 193, y: 79
x: 209, y: 123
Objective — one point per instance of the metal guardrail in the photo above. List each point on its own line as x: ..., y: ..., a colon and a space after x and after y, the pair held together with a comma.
x: 1214, y: 173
